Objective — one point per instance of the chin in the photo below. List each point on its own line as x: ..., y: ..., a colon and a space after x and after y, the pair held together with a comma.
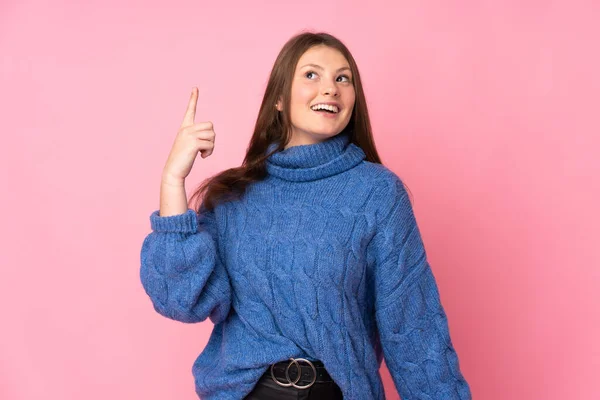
x: 329, y: 130
x: 326, y: 134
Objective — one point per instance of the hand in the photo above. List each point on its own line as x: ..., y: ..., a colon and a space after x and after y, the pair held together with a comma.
x: 191, y: 139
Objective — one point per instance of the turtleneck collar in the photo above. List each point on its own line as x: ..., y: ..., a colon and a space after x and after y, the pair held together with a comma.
x: 310, y: 162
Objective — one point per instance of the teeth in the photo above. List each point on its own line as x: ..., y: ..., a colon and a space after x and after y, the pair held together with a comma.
x: 324, y: 107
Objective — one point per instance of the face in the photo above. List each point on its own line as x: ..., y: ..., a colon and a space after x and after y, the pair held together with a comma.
x: 322, y: 76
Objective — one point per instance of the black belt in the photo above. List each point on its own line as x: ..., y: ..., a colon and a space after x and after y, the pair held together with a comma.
x: 285, y: 373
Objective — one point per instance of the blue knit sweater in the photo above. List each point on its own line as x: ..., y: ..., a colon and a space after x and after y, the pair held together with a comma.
x: 324, y: 260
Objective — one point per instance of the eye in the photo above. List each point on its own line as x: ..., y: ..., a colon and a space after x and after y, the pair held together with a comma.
x: 309, y: 72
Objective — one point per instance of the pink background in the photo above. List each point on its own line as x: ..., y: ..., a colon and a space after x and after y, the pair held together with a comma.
x: 487, y: 110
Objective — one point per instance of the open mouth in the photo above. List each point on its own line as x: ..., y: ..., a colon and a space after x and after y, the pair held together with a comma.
x: 325, y: 112
x: 325, y: 109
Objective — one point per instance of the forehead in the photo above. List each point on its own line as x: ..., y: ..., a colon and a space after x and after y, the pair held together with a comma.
x: 326, y: 57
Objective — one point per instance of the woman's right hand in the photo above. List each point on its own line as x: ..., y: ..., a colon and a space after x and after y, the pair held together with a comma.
x: 191, y: 139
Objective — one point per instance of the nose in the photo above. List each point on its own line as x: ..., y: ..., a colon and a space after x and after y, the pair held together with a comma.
x: 330, y: 89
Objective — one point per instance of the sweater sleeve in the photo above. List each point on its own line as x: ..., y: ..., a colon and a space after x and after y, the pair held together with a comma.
x: 181, y: 269
x: 411, y: 321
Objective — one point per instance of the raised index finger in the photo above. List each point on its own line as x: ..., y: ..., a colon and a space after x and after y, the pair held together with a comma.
x: 190, y: 114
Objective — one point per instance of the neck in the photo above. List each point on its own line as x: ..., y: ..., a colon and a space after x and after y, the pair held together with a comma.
x: 302, y: 140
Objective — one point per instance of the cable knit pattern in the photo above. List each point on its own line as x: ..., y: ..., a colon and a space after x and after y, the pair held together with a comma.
x: 323, y: 259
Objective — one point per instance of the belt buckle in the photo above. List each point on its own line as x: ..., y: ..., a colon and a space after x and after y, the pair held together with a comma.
x: 287, y: 375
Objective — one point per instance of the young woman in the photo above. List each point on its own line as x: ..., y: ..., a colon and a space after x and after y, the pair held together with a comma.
x: 307, y: 258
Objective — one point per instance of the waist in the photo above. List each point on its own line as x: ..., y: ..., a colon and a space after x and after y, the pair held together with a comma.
x: 299, y: 372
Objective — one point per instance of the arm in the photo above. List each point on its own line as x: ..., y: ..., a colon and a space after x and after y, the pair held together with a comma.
x: 181, y: 270
x: 410, y: 318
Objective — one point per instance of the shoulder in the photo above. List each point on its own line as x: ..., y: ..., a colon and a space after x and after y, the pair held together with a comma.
x: 384, y: 181
x: 389, y: 198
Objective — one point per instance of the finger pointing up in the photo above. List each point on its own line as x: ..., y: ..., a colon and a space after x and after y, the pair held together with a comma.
x: 190, y: 114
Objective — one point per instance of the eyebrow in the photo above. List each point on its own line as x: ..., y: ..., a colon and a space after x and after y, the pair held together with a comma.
x: 319, y: 67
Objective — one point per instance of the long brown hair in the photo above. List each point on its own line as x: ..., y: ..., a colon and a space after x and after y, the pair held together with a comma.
x: 275, y: 126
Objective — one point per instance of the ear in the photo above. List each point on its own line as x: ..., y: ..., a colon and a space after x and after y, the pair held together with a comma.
x: 279, y: 105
